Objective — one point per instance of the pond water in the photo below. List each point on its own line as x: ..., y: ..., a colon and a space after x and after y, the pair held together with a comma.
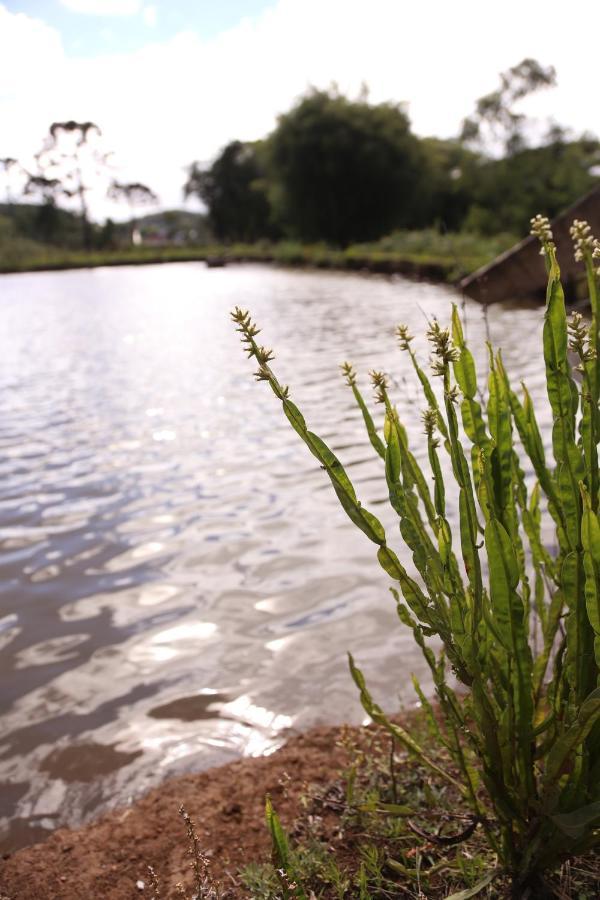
x: 178, y: 583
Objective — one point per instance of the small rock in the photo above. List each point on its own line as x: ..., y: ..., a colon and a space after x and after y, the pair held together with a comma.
x: 140, y: 885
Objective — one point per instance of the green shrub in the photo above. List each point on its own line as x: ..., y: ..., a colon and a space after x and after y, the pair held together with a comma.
x: 518, y: 621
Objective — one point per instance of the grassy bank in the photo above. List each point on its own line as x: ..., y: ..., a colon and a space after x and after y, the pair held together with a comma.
x: 422, y: 254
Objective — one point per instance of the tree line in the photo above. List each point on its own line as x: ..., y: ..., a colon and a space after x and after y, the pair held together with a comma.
x: 70, y: 163
x: 333, y: 170
x: 342, y: 171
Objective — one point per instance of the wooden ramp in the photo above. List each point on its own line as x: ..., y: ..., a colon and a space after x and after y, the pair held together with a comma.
x: 520, y: 273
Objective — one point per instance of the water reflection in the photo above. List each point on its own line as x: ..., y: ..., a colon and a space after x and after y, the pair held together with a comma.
x: 179, y: 585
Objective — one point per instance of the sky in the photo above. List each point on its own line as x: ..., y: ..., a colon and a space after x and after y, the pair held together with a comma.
x: 172, y: 81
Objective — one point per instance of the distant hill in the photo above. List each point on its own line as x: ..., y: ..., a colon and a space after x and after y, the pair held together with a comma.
x: 173, y: 226
x: 51, y: 225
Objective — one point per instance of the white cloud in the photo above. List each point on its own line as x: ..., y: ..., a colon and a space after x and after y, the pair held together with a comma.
x: 23, y: 39
x: 182, y: 99
x: 104, y: 7
x: 19, y: 32
x: 150, y: 16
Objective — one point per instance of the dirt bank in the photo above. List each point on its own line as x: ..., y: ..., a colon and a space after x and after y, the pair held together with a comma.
x: 106, y: 859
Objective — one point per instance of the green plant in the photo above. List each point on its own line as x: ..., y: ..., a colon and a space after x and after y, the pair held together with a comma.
x: 519, y: 621
x: 260, y: 880
x: 351, y: 838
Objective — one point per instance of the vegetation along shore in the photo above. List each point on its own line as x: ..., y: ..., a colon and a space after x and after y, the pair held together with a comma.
x: 421, y: 254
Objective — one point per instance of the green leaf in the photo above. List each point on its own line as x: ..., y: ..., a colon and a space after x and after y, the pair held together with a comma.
x: 392, y: 455
x: 278, y: 835
x: 439, y: 493
x: 504, y: 579
x: 429, y: 394
x: 377, y: 714
x: 590, y: 537
x: 524, y: 417
x: 511, y: 623
x: 555, y: 331
x: 295, y: 417
x: 501, y: 430
x: 562, y: 751
x: 553, y: 616
x: 579, y: 652
x: 465, y: 374
x: 281, y: 852
x: 467, y: 514
x: 411, y: 591
x: 366, y: 521
x: 476, y: 889
x: 434, y: 728
x: 575, y: 824
x: 376, y: 441
x: 466, y: 377
x: 395, y: 809
x: 562, y: 393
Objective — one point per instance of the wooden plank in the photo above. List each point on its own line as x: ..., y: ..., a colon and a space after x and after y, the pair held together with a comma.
x: 519, y: 273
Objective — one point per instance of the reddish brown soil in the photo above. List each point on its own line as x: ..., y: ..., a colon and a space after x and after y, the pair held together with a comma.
x: 105, y: 860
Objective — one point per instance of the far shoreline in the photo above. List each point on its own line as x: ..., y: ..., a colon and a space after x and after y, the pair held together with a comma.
x: 439, y: 270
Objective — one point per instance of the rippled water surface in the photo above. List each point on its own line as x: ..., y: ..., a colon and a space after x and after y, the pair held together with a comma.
x: 178, y: 584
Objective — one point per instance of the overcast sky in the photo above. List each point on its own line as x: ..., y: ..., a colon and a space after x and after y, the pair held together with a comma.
x: 170, y: 81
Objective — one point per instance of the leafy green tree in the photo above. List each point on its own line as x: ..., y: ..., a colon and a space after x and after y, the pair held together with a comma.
x: 345, y: 170
x: 233, y: 189
x: 495, y: 119
x: 504, y: 192
x: 507, y: 192
x: 47, y: 224
x: 446, y: 193
x: 107, y: 239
